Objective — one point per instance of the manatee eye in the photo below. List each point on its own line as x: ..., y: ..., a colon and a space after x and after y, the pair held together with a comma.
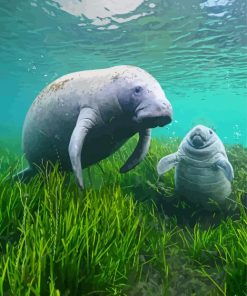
x: 211, y: 132
x: 138, y: 89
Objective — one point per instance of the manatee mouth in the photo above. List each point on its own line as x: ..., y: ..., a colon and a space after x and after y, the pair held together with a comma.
x: 197, y: 140
x: 151, y: 122
x: 162, y: 121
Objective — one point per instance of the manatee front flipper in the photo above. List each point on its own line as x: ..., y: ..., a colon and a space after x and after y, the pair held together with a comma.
x: 140, y: 151
x: 86, y: 120
x: 166, y: 163
x: 24, y: 175
x: 224, y: 165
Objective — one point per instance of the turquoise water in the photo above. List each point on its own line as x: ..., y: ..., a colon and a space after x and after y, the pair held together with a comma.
x: 195, y: 49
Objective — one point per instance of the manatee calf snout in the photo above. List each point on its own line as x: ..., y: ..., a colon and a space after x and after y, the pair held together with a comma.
x: 197, y: 141
x: 198, y: 137
x: 200, y: 130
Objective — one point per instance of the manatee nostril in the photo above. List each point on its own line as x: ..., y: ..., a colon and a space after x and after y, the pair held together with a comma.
x: 166, y: 105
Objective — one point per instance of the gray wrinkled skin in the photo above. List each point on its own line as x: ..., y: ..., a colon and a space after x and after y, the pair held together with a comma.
x: 83, y: 117
x: 202, y: 169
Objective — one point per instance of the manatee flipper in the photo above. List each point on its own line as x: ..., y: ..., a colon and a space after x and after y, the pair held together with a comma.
x: 24, y: 175
x: 86, y: 120
x: 224, y: 165
x: 140, y: 151
x: 166, y: 163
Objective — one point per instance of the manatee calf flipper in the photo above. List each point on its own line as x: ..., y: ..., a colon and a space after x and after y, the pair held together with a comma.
x: 224, y: 165
x: 166, y: 163
x: 24, y: 175
x: 86, y: 120
x: 140, y: 151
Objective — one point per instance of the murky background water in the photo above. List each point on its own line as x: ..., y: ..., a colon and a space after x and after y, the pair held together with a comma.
x: 196, y: 49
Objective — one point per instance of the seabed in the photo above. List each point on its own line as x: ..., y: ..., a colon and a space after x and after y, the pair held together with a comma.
x: 124, y: 235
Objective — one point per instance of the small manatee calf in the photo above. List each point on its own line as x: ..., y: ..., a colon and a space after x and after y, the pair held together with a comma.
x: 83, y: 117
x: 202, y: 169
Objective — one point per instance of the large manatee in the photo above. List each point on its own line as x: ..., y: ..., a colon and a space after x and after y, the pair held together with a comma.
x: 202, y: 169
x: 83, y: 117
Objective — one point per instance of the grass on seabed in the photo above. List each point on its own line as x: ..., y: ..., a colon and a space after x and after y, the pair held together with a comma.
x: 124, y: 235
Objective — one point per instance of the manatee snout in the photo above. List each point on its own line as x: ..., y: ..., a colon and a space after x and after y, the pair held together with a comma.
x: 198, y: 137
x: 155, y: 114
x: 162, y: 120
x: 153, y: 121
x: 197, y: 141
x: 163, y: 113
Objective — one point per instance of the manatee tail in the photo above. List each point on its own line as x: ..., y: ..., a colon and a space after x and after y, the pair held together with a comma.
x: 24, y: 175
x: 166, y: 163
